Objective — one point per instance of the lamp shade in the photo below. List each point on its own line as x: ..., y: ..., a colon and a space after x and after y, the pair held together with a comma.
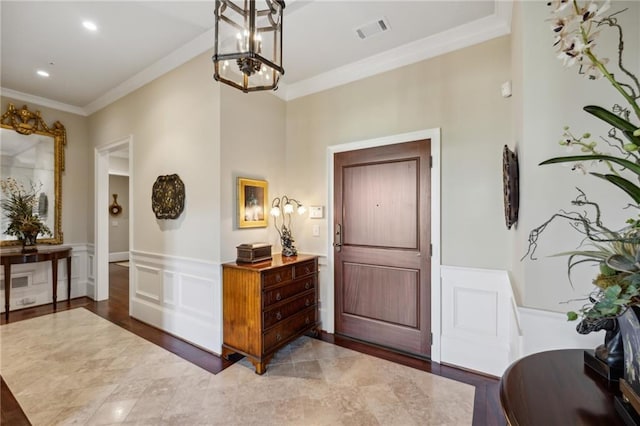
x: 248, y: 43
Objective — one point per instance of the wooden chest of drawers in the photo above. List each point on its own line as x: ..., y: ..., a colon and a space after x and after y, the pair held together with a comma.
x: 267, y: 305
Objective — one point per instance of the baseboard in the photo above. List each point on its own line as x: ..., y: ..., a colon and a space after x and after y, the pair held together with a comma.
x: 121, y: 256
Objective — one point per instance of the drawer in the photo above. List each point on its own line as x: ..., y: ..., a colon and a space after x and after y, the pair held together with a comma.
x: 288, y: 328
x: 281, y: 293
x: 305, y: 268
x: 277, y: 314
x: 277, y: 276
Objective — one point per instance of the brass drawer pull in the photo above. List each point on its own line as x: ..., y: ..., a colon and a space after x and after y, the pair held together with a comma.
x: 278, y: 316
x: 278, y: 278
x: 307, y: 302
x: 278, y: 337
x: 278, y: 296
x: 306, y: 320
x: 307, y: 285
x: 307, y: 270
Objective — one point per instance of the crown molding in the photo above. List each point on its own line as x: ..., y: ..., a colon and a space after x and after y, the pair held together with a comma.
x: 475, y: 32
x: 195, y: 47
x: 37, y: 100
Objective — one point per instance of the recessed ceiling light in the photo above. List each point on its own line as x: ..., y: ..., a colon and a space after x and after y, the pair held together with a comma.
x: 91, y: 26
x: 42, y: 73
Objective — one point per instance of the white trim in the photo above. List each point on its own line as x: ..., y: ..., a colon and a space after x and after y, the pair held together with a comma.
x: 466, y: 35
x: 119, y: 256
x: 545, y: 331
x: 101, y: 229
x: 32, y: 99
x: 475, y: 32
x: 434, y: 136
x: 183, y: 54
x: 118, y: 173
x: 179, y: 295
x: 480, y: 329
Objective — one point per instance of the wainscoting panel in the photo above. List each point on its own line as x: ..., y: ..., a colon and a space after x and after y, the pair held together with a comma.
x: 181, y: 296
x: 545, y: 331
x: 32, y: 281
x: 325, y: 285
x: 480, y: 328
x: 148, y: 283
x: 91, y: 280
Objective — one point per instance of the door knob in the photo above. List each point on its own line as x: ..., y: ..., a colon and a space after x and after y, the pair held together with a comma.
x: 337, y: 242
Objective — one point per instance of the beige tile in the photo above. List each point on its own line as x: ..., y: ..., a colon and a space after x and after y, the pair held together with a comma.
x: 106, y: 375
x: 148, y: 408
x: 45, y: 417
x: 112, y: 412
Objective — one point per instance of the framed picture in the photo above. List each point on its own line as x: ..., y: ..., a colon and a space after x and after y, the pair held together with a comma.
x: 252, y: 203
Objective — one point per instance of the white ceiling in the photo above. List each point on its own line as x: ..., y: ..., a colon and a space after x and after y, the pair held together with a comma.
x: 138, y: 41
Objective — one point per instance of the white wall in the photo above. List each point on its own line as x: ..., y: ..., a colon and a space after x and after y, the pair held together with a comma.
x: 175, y: 123
x: 252, y: 146
x: 458, y: 92
x: 552, y: 97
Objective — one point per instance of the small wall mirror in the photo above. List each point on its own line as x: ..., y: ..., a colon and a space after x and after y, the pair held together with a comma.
x: 32, y: 153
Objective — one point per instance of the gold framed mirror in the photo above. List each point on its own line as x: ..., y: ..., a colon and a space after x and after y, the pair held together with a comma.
x: 32, y: 156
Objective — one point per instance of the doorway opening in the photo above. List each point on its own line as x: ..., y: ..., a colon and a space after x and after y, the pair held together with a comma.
x: 109, y: 158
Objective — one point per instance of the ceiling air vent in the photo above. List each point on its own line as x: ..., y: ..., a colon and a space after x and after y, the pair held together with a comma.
x: 373, y: 28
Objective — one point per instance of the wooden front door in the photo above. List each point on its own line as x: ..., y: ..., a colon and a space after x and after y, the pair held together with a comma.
x: 382, y: 246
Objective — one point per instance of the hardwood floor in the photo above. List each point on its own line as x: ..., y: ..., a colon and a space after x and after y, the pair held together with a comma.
x: 486, y: 411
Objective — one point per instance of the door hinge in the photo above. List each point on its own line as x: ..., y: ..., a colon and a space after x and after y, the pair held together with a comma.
x: 431, y: 338
x: 431, y: 161
x: 431, y: 250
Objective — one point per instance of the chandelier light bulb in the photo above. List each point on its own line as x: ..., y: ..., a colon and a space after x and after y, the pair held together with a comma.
x: 275, y: 211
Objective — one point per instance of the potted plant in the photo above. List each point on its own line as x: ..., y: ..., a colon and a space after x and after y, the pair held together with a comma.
x: 616, y: 250
x: 18, y: 205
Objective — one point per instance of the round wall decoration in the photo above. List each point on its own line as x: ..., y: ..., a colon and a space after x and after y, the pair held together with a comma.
x: 510, y: 186
x: 115, y: 209
x: 167, y: 197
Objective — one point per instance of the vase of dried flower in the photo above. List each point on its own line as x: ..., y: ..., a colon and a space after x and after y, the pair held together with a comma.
x: 28, y: 241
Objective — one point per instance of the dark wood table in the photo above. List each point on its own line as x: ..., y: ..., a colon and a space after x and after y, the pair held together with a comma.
x: 556, y: 388
x: 14, y: 256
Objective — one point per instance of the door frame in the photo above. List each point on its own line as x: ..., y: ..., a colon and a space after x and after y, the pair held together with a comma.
x: 434, y: 136
x: 101, y: 214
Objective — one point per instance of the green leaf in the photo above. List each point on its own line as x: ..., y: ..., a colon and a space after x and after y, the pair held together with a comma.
x: 634, y: 139
x: 635, y: 168
x: 629, y: 187
x: 612, y: 293
x: 606, y: 270
x: 609, y: 117
x: 572, y: 316
x: 636, y: 133
x: 621, y: 263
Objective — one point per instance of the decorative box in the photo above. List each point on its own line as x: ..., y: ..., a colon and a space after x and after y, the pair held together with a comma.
x: 253, y: 252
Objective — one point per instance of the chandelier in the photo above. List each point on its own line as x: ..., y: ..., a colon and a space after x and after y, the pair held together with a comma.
x: 248, y: 44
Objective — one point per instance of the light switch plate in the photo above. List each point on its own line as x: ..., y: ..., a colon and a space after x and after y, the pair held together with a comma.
x: 316, y: 212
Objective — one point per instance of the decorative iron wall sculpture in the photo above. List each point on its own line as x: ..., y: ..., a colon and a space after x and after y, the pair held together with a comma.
x: 167, y: 197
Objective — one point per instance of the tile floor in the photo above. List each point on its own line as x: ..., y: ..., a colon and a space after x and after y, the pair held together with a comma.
x: 74, y: 367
